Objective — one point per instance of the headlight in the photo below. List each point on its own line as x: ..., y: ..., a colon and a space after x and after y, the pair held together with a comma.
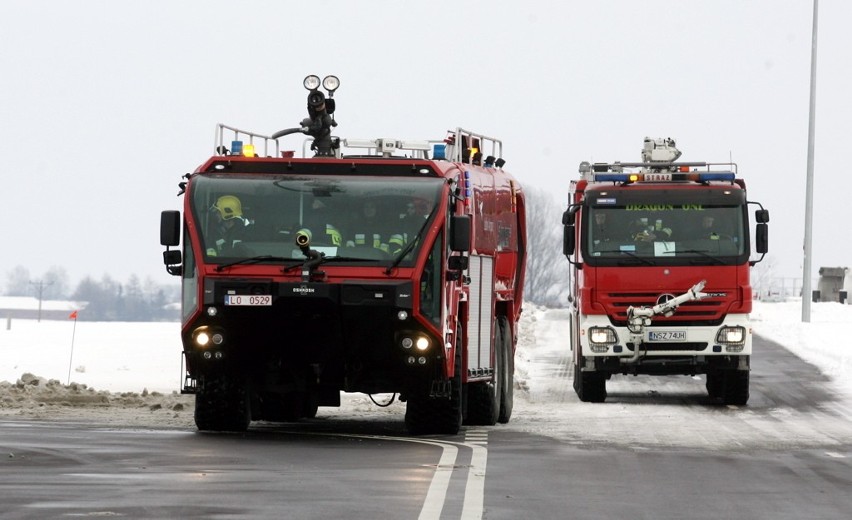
x: 602, y: 336
x: 202, y: 339
x: 731, y: 335
x: 422, y: 343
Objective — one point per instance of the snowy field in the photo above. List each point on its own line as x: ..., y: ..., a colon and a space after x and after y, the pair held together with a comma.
x: 136, y: 367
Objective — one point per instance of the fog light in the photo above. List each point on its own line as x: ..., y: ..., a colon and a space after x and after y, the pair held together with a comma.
x: 218, y: 355
x: 421, y: 360
x: 218, y: 339
x: 407, y: 343
x: 734, y: 348
x: 207, y: 355
x: 599, y: 349
x: 410, y: 360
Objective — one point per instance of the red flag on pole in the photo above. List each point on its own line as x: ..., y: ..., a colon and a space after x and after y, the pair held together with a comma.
x: 72, y: 316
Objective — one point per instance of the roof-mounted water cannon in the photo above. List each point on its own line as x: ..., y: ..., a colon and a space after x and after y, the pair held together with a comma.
x: 661, y: 150
x: 320, y: 118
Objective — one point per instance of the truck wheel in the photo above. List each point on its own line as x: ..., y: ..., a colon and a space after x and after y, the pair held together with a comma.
x: 714, y: 384
x: 427, y: 415
x: 483, y: 398
x: 222, y: 404
x: 311, y: 405
x: 507, y: 388
x: 590, y: 386
x: 736, y: 387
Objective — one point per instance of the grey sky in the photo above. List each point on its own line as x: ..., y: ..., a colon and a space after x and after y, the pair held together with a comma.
x: 105, y: 104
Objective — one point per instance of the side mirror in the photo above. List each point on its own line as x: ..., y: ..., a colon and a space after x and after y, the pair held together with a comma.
x: 172, y: 257
x: 568, y: 218
x: 761, y: 216
x: 569, y: 240
x: 458, y: 263
x: 762, y: 239
x: 170, y: 228
x: 460, y: 233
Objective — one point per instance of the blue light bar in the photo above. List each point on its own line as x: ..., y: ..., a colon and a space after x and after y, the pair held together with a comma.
x: 612, y: 177
x: 439, y: 151
x: 236, y: 147
x: 717, y: 176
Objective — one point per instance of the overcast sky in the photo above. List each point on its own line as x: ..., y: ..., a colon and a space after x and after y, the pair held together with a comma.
x: 106, y: 104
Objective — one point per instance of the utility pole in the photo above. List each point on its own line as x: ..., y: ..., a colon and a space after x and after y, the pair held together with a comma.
x: 809, y: 191
x: 41, y: 284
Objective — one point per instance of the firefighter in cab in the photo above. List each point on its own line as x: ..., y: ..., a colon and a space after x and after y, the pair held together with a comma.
x: 230, y: 226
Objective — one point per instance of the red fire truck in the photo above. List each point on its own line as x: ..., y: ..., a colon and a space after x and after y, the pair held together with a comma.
x: 378, y: 266
x: 660, y: 255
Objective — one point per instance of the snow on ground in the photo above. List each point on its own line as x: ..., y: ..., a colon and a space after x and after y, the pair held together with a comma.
x: 130, y: 373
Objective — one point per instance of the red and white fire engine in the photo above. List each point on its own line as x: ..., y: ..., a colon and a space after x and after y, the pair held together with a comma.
x: 660, y: 255
x: 379, y: 266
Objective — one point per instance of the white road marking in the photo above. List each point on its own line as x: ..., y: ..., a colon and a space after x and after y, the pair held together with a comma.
x: 474, y: 492
x: 436, y: 496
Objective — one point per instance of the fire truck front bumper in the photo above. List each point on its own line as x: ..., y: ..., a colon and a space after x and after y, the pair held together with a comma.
x: 666, y: 342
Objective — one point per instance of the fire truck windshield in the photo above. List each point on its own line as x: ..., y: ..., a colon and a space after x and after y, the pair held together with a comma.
x: 364, y: 218
x: 662, y: 233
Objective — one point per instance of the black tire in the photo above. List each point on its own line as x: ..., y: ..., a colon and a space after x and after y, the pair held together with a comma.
x: 735, y: 387
x: 311, y: 405
x: 714, y: 384
x: 483, y: 398
x: 426, y: 415
x: 222, y: 404
x: 590, y: 386
x: 507, y: 389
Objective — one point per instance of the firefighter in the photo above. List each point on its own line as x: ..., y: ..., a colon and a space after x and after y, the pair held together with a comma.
x: 370, y: 228
x: 230, y: 226
x: 601, y: 230
x: 644, y: 231
x: 417, y: 209
x: 708, y: 228
x: 317, y: 222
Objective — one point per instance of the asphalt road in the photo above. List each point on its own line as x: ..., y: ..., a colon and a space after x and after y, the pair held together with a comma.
x: 656, y: 449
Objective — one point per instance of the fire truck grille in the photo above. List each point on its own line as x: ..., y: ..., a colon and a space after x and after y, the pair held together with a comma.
x: 709, y: 311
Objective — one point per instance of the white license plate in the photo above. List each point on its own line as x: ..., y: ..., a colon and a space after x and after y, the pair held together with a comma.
x: 246, y: 300
x: 667, y: 335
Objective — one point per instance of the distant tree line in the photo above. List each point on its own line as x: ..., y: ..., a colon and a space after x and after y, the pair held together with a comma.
x: 101, y: 300
x: 547, y: 269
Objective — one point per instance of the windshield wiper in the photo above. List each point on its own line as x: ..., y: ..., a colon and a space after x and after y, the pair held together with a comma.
x: 637, y: 257
x: 700, y: 252
x: 408, y: 247
x: 324, y: 259
x: 253, y: 260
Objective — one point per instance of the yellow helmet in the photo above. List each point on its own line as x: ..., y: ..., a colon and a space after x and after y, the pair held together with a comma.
x: 229, y: 207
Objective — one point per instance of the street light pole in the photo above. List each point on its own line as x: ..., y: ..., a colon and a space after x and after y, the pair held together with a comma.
x: 809, y: 190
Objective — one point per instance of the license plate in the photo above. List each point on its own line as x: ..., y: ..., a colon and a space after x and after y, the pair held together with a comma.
x: 667, y: 335
x: 246, y: 300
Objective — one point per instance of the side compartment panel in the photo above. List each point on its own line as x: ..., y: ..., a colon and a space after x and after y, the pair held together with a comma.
x: 481, y: 313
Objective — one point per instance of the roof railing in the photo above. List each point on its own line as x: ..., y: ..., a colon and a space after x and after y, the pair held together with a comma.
x: 456, y: 147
